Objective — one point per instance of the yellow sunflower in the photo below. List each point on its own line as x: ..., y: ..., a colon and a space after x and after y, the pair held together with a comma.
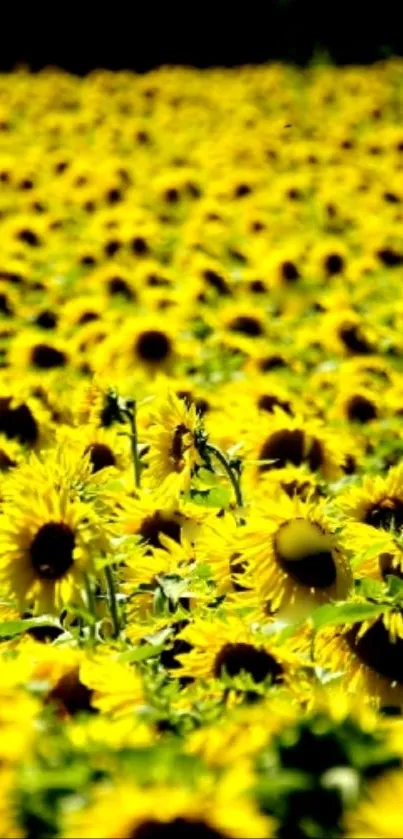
x: 278, y: 440
x: 367, y: 655
x: 171, y: 438
x: 294, y: 558
x: 232, y: 647
x: 213, y: 812
x: 373, y: 514
x: 48, y: 539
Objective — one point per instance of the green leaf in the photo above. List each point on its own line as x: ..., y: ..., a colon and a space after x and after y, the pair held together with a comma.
x: 345, y: 613
x: 372, y: 551
x: 141, y: 653
x: 394, y: 587
x: 372, y: 589
x: 9, y: 629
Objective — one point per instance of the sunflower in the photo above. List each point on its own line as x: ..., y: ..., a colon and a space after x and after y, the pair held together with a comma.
x: 278, y: 440
x: 146, y: 344
x: 104, y: 447
x: 367, y: 655
x: 213, y: 812
x: 115, y: 688
x: 246, y: 730
x: 172, y: 440
x: 232, y: 647
x: 294, y: 557
x: 38, y: 352
x: 379, y: 814
x: 144, y: 570
x: 49, y: 539
x: 23, y: 417
x: 374, y: 514
x: 150, y: 513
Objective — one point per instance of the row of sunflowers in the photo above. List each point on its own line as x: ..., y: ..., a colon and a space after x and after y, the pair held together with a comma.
x: 201, y: 486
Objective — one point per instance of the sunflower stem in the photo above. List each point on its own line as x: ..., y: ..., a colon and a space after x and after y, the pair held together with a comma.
x: 234, y: 479
x: 113, y: 604
x: 131, y: 414
x: 91, y: 607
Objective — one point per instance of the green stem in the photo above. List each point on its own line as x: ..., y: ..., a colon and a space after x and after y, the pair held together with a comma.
x: 132, y: 417
x: 91, y: 606
x: 230, y: 473
x: 113, y: 605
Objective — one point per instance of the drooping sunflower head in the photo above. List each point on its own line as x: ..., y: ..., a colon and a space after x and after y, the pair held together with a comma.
x: 293, y: 555
x: 172, y: 440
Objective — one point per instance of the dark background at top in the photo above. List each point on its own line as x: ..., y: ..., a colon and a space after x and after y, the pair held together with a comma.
x: 141, y: 36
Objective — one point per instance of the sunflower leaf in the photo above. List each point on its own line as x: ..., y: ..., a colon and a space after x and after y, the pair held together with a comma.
x: 345, y: 613
x: 141, y: 653
x: 9, y: 629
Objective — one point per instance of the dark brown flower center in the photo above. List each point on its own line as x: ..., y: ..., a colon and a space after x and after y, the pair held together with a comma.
x: 152, y: 526
x: 101, y: 456
x: 334, y: 264
x: 361, y: 409
x: 178, y: 828
x: 286, y: 446
x: 6, y: 462
x: 18, y: 423
x: 71, y: 696
x: 387, y: 515
x: 303, y: 552
x: 46, y: 357
x: 234, y: 658
x: 246, y: 325
x: 387, y: 567
x: 267, y: 402
x: 376, y: 650
x: 178, y: 446
x: 51, y: 551
x: 153, y: 346
x: 354, y: 341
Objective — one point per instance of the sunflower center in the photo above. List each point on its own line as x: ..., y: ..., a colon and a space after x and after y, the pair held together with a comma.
x: 376, y: 650
x: 70, y: 695
x: 267, y: 402
x: 387, y: 515
x: 153, y: 346
x: 387, y: 566
x: 287, y: 446
x: 258, y: 663
x: 46, y: 357
x: 152, y: 526
x: 101, y: 456
x: 361, y: 409
x: 353, y: 340
x: 303, y: 550
x: 178, y: 447
x: 178, y: 828
x: 51, y: 551
x: 6, y: 462
x: 18, y: 423
x: 247, y: 325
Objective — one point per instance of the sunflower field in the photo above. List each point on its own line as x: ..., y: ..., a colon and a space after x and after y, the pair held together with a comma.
x: 201, y: 442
